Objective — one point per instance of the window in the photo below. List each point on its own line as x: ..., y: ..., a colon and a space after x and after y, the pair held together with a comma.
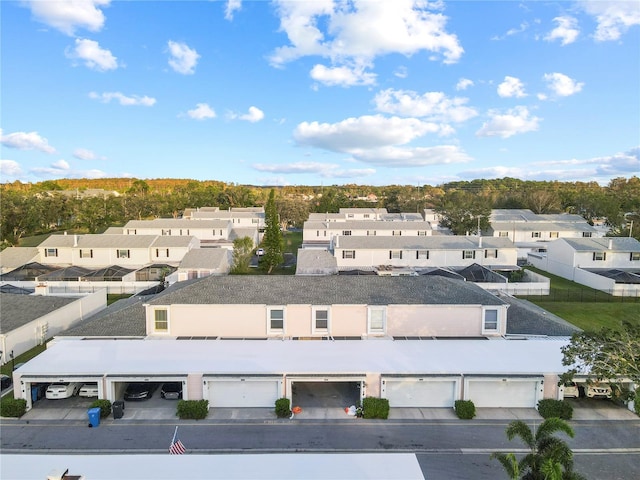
x: 320, y: 318
x: 366, y: 215
x: 395, y: 254
x: 276, y: 319
x: 161, y: 320
x: 397, y: 233
x: 599, y: 256
x: 123, y: 254
x: 491, y: 254
x: 468, y: 254
x: 51, y: 252
x: 586, y: 234
x: 317, y: 233
x: 503, y: 234
x: 553, y: 234
x: 634, y: 256
x: 255, y: 220
x: 86, y: 253
x: 161, y: 252
x: 371, y: 233
x: 350, y: 215
x: 536, y: 234
x: 377, y: 319
x: 490, y: 320
x: 422, y: 255
x: 348, y: 254
x: 422, y: 233
x: 346, y: 232
x: 187, y: 230
x: 166, y: 231
x: 131, y: 231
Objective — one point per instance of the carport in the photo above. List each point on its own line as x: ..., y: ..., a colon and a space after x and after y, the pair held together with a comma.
x: 325, y: 391
x: 116, y: 384
x: 29, y: 382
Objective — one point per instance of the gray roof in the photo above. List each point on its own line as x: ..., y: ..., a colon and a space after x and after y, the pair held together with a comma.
x: 166, y: 241
x: 318, y: 217
x: 612, y: 244
x: 99, y: 241
x: 113, y: 231
x: 18, y: 310
x: 526, y: 318
x: 176, y: 223
x: 326, y: 290
x: 368, y: 225
x: 315, y: 262
x: 440, y: 242
x: 225, y: 214
x: 209, y: 258
x: 14, y: 257
x: 124, y: 318
x: 363, y: 210
x: 543, y: 227
x: 525, y: 215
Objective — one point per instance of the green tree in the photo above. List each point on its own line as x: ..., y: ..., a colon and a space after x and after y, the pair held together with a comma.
x: 461, y: 211
x: 272, y: 241
x: 242, y: 248
x: 549, y: 457
x: 292, y: 212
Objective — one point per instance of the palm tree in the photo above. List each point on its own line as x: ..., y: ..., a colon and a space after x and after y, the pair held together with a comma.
x: 549, y: 457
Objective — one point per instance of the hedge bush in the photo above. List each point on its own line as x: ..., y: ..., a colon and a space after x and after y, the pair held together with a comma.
x: 636, y: 402
x: 373, y: 407
x: 104, y: 406
x: 465, y: 409
x: 555, y: 408
x: 283, y: 408
x: 192, y: 409
x: 13, y: 407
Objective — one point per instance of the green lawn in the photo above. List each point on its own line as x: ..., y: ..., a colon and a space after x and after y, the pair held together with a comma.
x: 6, y: 369
x: 585, y: 307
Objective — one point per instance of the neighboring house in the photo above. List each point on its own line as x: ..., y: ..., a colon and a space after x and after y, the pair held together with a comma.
x: 417, y: 252
x: 202, y: 262
x: 126, y: 250
x: 531, y: 232
x: 14, y: 257
x: 29, y: 320
x: 239, y: 217
x: 610, y: 264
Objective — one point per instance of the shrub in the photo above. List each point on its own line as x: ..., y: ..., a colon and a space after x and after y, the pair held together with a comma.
x: 283, y: 408
x: 465, y: 409
x: 373, y: 407
x: 636, y: 403
x: 192, y: 409
x: 13, y: 407
x: 555, y: 408
x: 104, y: 406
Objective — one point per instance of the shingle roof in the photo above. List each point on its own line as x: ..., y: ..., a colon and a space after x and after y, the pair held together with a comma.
x: 124, y: 318
x: 176, y: 223
x: 526, y: 318
x: 326, y: 290
x: 13, y: 257
x: 613, y: 244
x: 209, y: 258
x: 441, y: 242
x: 18, y: 310
x: 542, y: 227
x: 99, y: 241
x: 368, y: 225
x: 166, y: 241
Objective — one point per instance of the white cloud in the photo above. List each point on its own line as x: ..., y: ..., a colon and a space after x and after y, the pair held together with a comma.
x: 94, y: 57
x: 355, y: 33
x: 464, y: 83
x: 10, y: 168
x: 202, y: 112
x: 511, y: 87
x: 434, y: 106
x: 26, y: 141
x: 85, y: 154
x: 562, y: 85
x: 343, y: 76
x: 68, y: 15
x: 127, y: 101
x: 325, y: 170
x: 512, y: 31
x: 514, y: 121
x: 391, y: 156
x: 231, y: 7
x: 254, y: 115
x: 401, y: 72
x: 567, y: 30
x: 62, y: 169
x: 183, y: 59
x: 614, y: 17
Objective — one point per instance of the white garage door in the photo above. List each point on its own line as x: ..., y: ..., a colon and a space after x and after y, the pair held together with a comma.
x: 243, y: 393
x: 425, y: 393
x: 499, y: 393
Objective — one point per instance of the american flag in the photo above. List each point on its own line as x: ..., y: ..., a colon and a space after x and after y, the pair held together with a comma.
x: 177, y: 448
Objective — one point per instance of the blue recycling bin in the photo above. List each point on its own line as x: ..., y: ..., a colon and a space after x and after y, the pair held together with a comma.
x: 94, y: 416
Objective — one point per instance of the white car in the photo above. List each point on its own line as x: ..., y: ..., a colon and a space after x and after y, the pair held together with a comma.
x: 260, y: 252
x: 62, y: 390
x: 571, y: 390
x: 89, y: 390
x: 598, y: 390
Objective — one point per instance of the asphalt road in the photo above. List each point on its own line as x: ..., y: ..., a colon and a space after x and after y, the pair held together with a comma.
x: 445, y: 450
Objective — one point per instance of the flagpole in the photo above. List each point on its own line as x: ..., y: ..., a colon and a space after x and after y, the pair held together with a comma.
x: 175, y: 433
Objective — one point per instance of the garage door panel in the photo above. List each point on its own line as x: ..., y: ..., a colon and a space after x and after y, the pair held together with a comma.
x: 237, y: 393
x: 509, y: 394
x: 408, y: 393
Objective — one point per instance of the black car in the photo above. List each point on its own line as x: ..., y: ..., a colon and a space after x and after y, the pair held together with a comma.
x: 5, y: 381
x: 140, y: 391
x: 171, y: 390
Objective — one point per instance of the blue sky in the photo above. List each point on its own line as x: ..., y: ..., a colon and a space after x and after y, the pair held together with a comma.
x: 320, y: 92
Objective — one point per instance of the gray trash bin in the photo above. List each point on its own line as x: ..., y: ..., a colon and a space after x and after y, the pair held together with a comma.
x: 94, y: 416
x: 117, y: 408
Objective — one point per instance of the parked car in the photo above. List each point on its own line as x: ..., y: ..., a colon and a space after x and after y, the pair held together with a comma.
x: 171, y: 390
x: 88, y: 390
x: 140, y: 391
x: 571, y: 390
x: 5, y: 381
x: 260, y: 252
x: 62, y: 390
x: 598, y: 390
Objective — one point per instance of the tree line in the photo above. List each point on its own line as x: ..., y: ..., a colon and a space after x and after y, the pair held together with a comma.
x: 61, y: 205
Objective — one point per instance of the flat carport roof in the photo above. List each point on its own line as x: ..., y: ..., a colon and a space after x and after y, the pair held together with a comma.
x: 237, y: 357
